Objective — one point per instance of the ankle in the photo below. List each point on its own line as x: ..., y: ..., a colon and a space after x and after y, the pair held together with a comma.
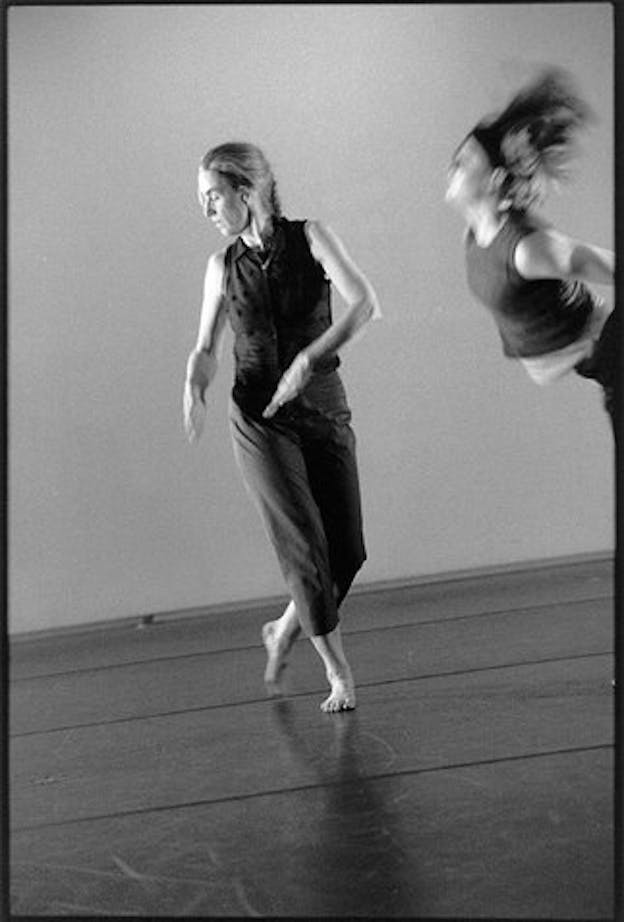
x: 341, y: 674
x: 280, y: 637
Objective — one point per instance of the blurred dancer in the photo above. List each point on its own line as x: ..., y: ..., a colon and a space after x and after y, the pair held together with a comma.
x: 532, y: 277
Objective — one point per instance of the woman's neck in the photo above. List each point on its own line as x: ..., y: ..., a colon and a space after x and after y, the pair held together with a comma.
x: 259, y: 227
x: 485, y: 222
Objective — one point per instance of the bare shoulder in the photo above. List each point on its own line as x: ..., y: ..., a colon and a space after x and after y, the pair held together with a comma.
x: 541, y: 239
x: 214, y: 278
x: 527, y: 252
x: 322, y: 239
x: 321, y: 230
x: 542, y: 253
x: 215, y: 268
x: 216, y: 260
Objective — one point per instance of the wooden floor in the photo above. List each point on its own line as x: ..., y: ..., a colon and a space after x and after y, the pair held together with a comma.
x: 151, y: 776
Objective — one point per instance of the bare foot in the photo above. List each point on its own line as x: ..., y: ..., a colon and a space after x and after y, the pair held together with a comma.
x: 277, y: 651
x: 342, y: 696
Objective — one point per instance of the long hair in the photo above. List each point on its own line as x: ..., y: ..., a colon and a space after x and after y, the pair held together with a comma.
x: 245, y: 165
x: 534, y: 138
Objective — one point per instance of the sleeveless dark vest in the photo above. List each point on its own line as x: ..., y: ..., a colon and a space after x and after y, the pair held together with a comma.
x: 278, y: 301
x: 533, y: 316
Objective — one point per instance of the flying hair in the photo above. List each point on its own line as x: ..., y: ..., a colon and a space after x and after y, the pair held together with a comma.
x: 534, y: 138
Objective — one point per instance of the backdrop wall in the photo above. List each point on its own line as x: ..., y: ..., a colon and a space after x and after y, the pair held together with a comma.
x: 464, y: 462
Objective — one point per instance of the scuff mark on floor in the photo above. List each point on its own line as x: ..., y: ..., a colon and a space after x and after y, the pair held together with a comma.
x: 127, y: 870
x: 379, y: 739
x: 242, y: 899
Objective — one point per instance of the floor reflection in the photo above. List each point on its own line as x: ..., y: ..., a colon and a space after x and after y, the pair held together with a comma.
x: 350, y: 846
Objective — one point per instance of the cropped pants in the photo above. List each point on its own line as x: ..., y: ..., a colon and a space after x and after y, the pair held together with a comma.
x: 299, y: 467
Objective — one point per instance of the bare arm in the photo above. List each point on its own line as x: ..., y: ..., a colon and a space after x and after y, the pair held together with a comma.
x: 350, y: 282
x: 203, y: 361
x: 550, y: 254
x: 212, y: 317
x: 362, y: 306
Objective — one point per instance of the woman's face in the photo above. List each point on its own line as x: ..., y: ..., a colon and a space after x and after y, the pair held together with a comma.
x: 469, y: 175
x: 225, y: 206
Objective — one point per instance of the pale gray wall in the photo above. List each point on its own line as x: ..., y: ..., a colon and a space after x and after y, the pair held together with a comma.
x: 464, y: 462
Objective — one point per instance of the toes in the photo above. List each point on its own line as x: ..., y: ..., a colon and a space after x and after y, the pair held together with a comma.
x: 328, y: 705
x: 347, y: 706
x: 332, y: 705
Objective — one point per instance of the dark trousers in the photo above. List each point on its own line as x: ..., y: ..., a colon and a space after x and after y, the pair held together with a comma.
x: 300, y: 470
x: 602, y: 365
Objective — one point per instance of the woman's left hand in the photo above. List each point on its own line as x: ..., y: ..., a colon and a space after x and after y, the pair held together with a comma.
x: 291, y: 383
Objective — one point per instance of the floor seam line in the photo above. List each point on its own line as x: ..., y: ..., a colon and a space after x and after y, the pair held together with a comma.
x: 353, y: 633
x: 306, y: 694
x: 381, y: 776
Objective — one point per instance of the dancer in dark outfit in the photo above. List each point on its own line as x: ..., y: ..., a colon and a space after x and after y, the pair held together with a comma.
x: 289, y: 417
x: 530, y: 275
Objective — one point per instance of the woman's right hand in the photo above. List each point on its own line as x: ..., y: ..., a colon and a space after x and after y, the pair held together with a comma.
x: 200, y: 370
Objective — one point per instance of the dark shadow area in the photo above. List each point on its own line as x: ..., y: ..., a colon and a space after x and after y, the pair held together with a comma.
x: 351, y: 844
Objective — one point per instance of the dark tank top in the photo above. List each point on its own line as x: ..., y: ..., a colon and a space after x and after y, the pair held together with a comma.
x: 533, y: 316
x: 278, y: 301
